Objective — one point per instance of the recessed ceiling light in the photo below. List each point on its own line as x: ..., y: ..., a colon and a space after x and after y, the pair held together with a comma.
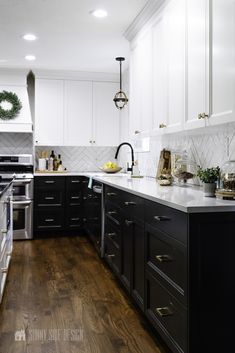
x: 30, y: 57
x: 29, y: 36
x: 100, y: 13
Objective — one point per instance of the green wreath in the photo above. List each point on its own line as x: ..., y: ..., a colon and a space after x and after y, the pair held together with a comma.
x: 9, y: 97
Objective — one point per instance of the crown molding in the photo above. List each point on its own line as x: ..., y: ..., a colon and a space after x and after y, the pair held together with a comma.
x: 75, y: 75
x: 142, y: 18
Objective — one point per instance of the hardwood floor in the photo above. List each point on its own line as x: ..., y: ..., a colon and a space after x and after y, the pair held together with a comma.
x: 66, y: 300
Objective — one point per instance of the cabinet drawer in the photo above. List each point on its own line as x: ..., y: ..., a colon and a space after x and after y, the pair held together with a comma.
x: 113, y: 195
x: 166, y: 314
x: 50, y: 182
x: 167, y: 219
x: 132, y: 205
x: 74, y: 198
x: 112, y: 232
x: 168, y: 258
x: 48, y: 198
x: 113, y: 213
x: 73, y: 217
x: 112, y: 255
x: 49, y: 219
x: 74, y: 183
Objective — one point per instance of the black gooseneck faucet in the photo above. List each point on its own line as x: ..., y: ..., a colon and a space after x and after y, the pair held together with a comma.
x: 132, y: 154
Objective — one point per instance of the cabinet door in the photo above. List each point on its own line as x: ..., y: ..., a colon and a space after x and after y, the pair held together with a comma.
x: 222, y: 59
x: 175, y: 48
x: 141, y: 107
x: 78, y: 113
x: 197, y: 63
x: 49, y: 105
x: 159, y: 75
x: 106, y: 116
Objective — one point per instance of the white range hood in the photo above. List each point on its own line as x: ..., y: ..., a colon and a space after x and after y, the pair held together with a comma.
x: 16, y: 81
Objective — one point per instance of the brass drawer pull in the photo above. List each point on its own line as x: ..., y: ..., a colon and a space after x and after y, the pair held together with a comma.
x: 74, y: 219
x: 129, y: 223
x: 111, y: 256
x: 162, y: 126
x: 75, y: 181
x: 164, y: 258
x: 110, y: 235
x: 75, y: 197
x: 49, y: 220
x: 112, y: 212
x: 49, y: 182
x: 161, y: 218
x: 49, y: 198
x: 164, y: 311
x: 111, y: 194
x: 129, y: 203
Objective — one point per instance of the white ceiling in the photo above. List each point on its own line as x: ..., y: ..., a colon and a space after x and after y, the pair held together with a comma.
x: 69, y: 37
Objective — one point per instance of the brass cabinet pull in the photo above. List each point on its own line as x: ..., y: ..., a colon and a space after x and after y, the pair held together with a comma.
x: 49, y: 198
x: 75, y: 197
x: 49, y: 220
x: 129, y: 223
x: 161, y: 218
x: 110, y: 235
x: 162, y: 126
x: 199, y: 116
x: 49, y: 182
x: 164, y: 258
x: 111, y: 194
x: 129, y: 203
x: 111, y: 256
x: 203, y: 116
x: 75, y: 181
x: 164, y: 311
x: 74, y: 219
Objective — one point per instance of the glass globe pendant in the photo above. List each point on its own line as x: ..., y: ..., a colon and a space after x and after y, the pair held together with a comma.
x: 120, y: 99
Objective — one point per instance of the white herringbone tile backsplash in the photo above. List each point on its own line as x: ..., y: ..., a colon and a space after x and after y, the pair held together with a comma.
x: 16, y: 143
x: 87, y: 159
x: 209, y: 148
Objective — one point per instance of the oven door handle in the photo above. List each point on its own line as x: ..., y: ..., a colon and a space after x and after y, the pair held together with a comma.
x: 22, y: 181
x: 22, y: 203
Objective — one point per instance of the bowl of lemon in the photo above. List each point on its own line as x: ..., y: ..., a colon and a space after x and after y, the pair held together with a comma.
x: 110, y: 167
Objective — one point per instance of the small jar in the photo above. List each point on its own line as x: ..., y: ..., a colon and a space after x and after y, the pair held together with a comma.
x: 228, y: 176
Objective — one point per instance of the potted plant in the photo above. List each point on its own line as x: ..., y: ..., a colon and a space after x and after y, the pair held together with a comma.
x: 209, y: 177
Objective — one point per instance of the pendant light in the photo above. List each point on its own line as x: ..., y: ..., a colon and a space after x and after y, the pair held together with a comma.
x: 120, y: 98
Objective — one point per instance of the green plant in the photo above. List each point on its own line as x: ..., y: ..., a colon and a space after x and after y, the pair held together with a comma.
x: 209, y: 175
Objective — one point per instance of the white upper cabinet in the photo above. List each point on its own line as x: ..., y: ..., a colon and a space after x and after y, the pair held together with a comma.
x: 197, y: 63
x: 169, y: 68
x: 222, y: 59
x: 141, y: 108
x: 76, y: 113
x: 175, y: 53
x: 106, y: 116
x: 49, y: 110
x: 78, y: 122
x: 160, y: 112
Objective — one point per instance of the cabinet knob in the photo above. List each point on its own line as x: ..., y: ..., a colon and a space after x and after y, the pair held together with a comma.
x: 90, y: 141
x: 137, y: 132
x: 93, y: 141
x: 162, y: 126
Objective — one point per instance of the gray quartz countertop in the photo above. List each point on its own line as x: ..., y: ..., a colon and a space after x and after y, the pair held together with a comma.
x: 188, y: 199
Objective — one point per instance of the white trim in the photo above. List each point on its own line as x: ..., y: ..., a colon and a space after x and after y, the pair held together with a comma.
x: 76, y: 75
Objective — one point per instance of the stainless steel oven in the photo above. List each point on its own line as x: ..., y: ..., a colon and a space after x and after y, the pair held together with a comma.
x: 22, y: 219
x: 20, y: 168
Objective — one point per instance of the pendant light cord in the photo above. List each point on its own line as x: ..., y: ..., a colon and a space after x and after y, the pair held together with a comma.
x: 120, y: 76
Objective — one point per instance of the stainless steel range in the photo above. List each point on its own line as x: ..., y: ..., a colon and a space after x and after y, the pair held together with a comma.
x: 20, y: 168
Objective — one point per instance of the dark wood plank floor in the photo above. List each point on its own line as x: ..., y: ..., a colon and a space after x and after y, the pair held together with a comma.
x: 66, y: 300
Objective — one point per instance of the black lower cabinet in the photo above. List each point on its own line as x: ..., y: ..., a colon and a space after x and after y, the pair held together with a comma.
x: 167, y: 314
